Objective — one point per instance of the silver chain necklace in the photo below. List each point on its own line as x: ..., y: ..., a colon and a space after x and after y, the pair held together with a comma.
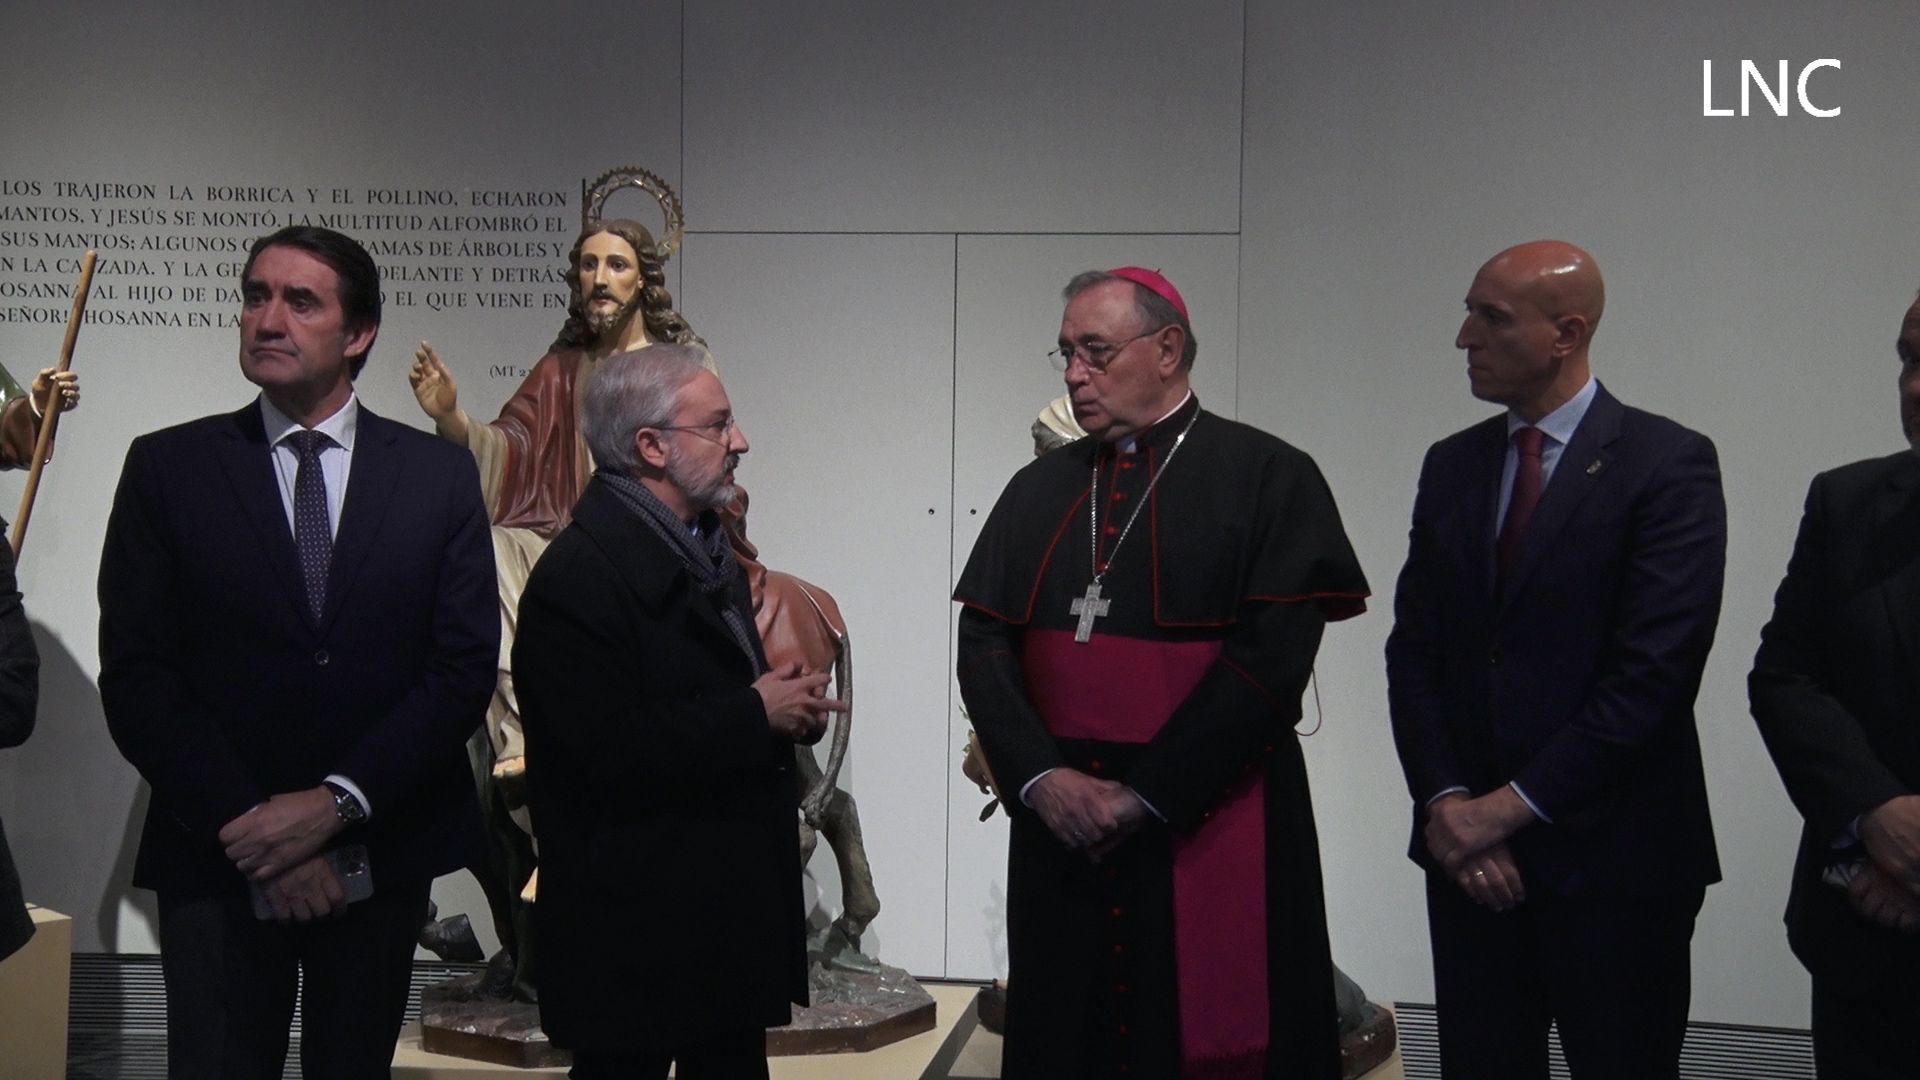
x: 1090, y: 606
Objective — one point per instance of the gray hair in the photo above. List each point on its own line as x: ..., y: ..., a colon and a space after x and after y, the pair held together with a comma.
x: 630, y: 391
x: 1154, y: 310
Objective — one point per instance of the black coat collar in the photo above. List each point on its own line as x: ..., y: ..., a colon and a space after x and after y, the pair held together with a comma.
x: 646, y: 563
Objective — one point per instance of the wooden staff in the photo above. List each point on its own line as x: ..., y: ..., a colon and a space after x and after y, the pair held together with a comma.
x: 50, y: 417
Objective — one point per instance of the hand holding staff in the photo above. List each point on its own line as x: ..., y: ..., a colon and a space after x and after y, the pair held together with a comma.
x: 51, y: 417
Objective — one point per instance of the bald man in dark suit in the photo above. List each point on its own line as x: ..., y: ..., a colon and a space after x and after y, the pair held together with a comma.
x: 1559, y: 599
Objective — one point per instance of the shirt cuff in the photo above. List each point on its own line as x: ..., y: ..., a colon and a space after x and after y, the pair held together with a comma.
x: 353, y: 789
x: 1444, y: 792
x: 1849, y: 836
x: 1841, y: 874
x: 1028, y: 786
x: 1531, y: 805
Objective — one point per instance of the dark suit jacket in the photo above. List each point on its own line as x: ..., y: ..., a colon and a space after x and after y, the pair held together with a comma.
x: 19, y: 694
x: 664, y: 805
x: 221, y: 689
x: 1575, y: 676
x: 1836, y: 690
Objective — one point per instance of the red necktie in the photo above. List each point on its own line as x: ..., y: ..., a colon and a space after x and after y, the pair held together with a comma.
x: 1527, y: 483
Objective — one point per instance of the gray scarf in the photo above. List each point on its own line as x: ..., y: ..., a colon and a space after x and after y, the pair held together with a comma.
x: 712, y: 566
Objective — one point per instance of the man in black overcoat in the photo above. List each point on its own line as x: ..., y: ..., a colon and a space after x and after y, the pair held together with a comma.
x: 660, y: 749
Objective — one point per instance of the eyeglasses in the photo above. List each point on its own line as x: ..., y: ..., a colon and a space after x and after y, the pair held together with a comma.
x: 717, y: 432
x: 1095, y: 354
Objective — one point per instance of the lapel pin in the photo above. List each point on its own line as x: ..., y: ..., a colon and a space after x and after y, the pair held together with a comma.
x: 1594, y: 469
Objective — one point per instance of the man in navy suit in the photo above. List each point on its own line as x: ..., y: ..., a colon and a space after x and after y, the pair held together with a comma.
x: 297, y: 635
x: 1559, y: 599
x: 1836, y: 691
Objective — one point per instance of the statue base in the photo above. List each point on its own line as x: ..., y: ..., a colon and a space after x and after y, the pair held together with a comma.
x: 992, y: 1007
x: 463, y: 1017
x: 851, y: 1012
x: 1365, y: 1047
x: 854, y: 1011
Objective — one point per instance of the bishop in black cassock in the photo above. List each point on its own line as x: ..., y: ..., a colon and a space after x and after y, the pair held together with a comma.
x: 1183, y: 931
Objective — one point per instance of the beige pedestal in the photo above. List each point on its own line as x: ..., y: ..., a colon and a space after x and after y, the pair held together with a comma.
x: 904, y: 1060
x: 34, y: 983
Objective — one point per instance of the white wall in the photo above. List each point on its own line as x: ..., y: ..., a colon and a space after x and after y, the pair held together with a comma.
x: 884, y: 199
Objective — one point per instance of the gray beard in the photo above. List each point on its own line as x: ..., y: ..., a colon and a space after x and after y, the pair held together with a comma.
x: 716, y: 494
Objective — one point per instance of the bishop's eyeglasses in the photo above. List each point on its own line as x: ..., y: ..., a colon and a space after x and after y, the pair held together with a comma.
x: 1095, y: 354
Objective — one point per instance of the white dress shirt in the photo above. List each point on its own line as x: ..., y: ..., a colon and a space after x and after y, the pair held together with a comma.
x: 336, y: 465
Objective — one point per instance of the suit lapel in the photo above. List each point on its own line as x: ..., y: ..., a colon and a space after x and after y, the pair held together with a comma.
x: 247, y: 462
x: 370, y: 484
x: 1489, y: 458
x: 1896, y: 557
x: 1583, y: 462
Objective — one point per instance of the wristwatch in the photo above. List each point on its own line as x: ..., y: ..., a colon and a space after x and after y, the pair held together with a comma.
x: 346, y: 806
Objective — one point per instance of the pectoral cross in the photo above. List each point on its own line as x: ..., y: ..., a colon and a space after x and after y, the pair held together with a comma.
x: 1089, y: 608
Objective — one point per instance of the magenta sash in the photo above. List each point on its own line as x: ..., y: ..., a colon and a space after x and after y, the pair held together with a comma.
x: 1119, y: 689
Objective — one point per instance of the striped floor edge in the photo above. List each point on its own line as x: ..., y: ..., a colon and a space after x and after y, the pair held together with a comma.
x: 1712, y: 1051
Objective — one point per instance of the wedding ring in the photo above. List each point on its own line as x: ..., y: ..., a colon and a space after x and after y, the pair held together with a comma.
x: 1479, y: 873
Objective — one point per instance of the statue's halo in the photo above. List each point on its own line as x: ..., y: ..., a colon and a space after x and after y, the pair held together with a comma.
x: 633, y: 176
